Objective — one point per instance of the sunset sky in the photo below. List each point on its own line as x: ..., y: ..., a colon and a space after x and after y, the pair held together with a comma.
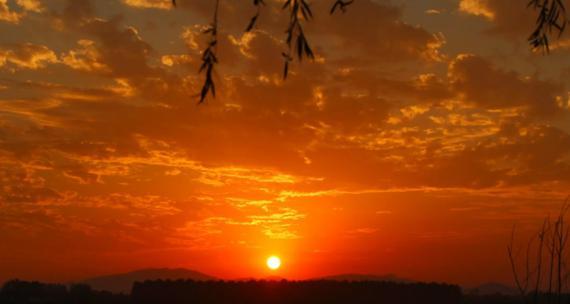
x: 421, y: 132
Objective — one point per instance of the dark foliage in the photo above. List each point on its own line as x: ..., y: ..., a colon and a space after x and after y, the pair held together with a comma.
x: 209, y: 57
x: 252, y: 22
x: 253, y: 292
x: 541, y: 298
x: 551, y: 19
x: 492, y: 299
x: 21, y: 292
x: 340, y: 4
x: 296, y: 41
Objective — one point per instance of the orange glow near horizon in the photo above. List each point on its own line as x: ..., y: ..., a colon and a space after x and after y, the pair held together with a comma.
x: 409, y: 146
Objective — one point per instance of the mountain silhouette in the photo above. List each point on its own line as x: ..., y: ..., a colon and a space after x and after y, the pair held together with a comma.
x: 354, y: 277
x: 123, y: 282
x: 492, y: 289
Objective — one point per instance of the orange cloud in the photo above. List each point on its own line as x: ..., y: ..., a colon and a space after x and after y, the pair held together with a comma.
x: 477, y: 8
x: 6, y: 14
x: 479, y: 81
x: 87, y: 58
x: 158, y: 4
x: 27, y: 56
x: 30, y: 5
x: 508, y: 20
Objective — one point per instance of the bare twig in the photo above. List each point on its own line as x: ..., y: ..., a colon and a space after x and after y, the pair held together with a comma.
x: 522, y: 284
x: 542, y: 234
x: 554, y: 236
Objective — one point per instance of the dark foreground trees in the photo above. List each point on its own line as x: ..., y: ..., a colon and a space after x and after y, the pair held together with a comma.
x: 21, y: 292
x: 254, y: 292
x: 540, y: 265
x: 246, y: 292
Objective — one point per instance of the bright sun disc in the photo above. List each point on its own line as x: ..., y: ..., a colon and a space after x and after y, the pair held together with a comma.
x: 273, y: 262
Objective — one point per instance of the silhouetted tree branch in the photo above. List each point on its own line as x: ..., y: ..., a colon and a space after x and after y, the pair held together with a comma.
x: 253, y: 21
x: 295, y: 33
x: 551, y: 20
x: 295, y: 40
x: 541, y: 238
x: 555, y: 237
x: 521, y: 282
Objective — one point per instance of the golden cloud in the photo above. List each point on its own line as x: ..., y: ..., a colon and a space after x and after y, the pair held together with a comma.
x: 27, y: 56
x: 30, y: 5
x: 7, y: 15
x: 158, y: 4
x: 477, y: 8
x: 86, y: 58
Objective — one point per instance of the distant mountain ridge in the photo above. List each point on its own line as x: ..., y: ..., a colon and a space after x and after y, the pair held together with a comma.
x: 123, y: 282
x: 492, y: 289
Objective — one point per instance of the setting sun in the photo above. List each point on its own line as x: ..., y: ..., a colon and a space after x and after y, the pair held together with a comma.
x: 273, y: 262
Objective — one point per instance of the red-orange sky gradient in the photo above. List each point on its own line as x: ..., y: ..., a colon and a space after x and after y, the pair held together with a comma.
x: 419, y: 135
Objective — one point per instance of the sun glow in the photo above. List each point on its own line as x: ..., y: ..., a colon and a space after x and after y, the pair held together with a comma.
x: 273, y: 262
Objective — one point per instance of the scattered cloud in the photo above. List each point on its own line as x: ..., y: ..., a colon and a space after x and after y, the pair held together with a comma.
x: 478, y: 80
x: 26, y: 56
x: 157, y: 4
x: 477, y: 8
x: 7, y: 14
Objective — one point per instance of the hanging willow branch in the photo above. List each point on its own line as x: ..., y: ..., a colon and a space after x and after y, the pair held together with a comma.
x: 295, y: 33
x: 253, y: 21
x: 209, y: 58
x: 551, y: 19
x: 297, y: 44
x: 340, y: 4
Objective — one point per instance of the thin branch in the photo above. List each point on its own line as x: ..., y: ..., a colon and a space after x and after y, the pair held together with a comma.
x: 209, y: 57
x: 551, y: 18
x: 542, y: 234
x: 522, y: 287
x: 341, y: 5
x: 253, y: 20
x: 297, y: 44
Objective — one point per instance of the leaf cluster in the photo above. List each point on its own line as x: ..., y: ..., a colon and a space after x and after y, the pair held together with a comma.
x: 295, y: 38
x: 551, y: 19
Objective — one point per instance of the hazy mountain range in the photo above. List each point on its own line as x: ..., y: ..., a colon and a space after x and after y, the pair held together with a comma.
x: 491, y: 289
x: 122, y: 283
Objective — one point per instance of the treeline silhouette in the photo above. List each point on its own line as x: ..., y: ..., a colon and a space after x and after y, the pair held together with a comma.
x: 254, y: 292
x: 541, y: 298
x: 22, y: 292
x: 250, y: 292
